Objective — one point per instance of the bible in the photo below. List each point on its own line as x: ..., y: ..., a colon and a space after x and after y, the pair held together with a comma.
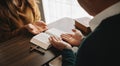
x: 42, y: 40
x: 82, y: 24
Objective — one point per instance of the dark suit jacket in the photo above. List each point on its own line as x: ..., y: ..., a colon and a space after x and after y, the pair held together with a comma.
x: 100, y: 48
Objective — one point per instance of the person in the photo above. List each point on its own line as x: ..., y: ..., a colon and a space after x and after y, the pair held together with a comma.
x: 19, y: 17
x: 101, y: 46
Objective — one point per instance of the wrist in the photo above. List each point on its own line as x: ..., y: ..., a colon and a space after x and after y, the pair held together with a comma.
x: 67, y: 46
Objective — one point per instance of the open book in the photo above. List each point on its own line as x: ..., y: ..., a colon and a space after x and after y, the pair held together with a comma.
x: 42, y: 40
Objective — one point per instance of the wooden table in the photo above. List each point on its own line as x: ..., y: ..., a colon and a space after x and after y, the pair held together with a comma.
x: 16, y: 52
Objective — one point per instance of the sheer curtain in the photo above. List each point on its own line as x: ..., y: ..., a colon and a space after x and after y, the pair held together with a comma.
x: 56, y: 9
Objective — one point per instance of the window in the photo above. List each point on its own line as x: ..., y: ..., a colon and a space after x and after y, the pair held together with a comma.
x: 56, y: 9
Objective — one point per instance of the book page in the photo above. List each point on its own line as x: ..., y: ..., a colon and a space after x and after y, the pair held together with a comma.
x: 65, y: 24
x: 41, y: 40
x: 55, y: 32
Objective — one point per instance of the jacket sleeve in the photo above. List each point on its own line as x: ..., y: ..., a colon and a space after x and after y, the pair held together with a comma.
x: 68, y: 57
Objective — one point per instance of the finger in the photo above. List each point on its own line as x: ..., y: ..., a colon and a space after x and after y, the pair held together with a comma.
x: 56, y: 38
x: 41, y: 27
x: 66, y: 36
x: 66, y: 39
x: 30, y: 27
x: 60, y: 39
x: 74, y: 30
x: 35, y: 32
x: 33, y: 26
x: 41, y: 23
x: 51, y: 39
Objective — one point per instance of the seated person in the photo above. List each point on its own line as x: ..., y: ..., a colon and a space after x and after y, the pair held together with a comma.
x: 101, y: 46
x: 18, y: 17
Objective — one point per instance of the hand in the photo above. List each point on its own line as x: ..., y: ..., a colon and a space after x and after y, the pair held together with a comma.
x: 32, y: 29
x: 59, y: 44
x: 73, y: 39
x: 36, y: 27
x: 40, y: 25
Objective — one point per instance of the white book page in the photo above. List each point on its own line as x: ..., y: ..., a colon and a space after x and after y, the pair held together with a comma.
x: 55, y: 32
x: 43, y: 37
x: 41, y: 40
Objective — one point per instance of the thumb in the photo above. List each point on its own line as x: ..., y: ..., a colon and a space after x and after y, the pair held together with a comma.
x: 74, y: 30
x: 29, y: 27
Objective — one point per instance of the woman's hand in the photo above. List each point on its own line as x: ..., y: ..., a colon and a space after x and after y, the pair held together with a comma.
x: 40, y: 25
x: 59, y: 43
x: 36, y: 27
x: 73, y: 39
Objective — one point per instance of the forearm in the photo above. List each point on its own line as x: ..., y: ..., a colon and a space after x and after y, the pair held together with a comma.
x: 68, y: 57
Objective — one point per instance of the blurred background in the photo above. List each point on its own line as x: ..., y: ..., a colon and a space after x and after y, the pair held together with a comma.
x: 53, y: 10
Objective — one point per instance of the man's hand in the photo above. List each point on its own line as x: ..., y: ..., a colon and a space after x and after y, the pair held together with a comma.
x: 59, y: 43
x: 73, y: 39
